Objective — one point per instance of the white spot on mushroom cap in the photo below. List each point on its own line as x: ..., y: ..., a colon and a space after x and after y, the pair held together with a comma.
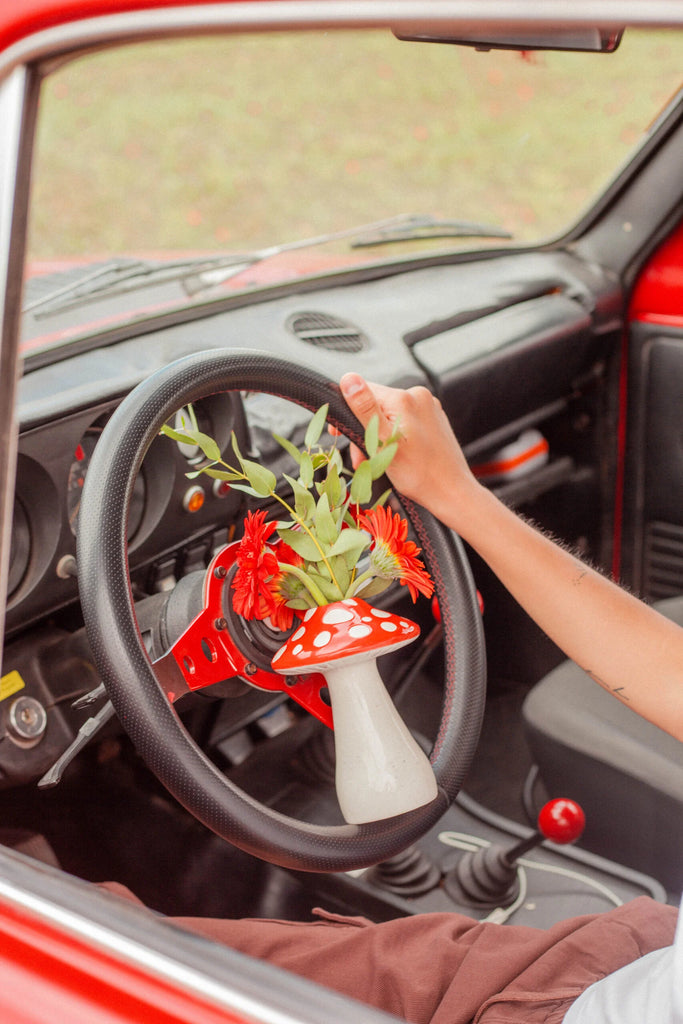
x: 334, y: 614
x: 346, y: 631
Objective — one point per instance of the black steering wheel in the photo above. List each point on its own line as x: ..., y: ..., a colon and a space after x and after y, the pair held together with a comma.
x: 125, y: 668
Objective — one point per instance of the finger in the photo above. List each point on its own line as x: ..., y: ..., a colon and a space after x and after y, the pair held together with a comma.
x: 360, y: 398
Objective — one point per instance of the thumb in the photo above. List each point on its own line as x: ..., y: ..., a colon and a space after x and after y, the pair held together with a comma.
x: 359, y: 397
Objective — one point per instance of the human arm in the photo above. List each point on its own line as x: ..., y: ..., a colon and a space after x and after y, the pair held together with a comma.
x: 624, y: 645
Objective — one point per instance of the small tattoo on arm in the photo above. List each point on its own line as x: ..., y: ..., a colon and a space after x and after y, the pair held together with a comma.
x: 618, y: 691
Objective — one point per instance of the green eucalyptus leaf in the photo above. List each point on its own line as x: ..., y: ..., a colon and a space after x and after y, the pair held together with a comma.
x: 260, y: 478
x: 341, y: 572
x: 372, y: 435
x: 175, y: 435
x: 247, y: 490
x: 288, y: 447
x: 329, y: 589
x: 373, y: 587
x: 189, y: 409
x: 361, y: 484
x: 306, y: 470
x: 316, y: 426
x: 304, y: 502
x: 324, y: 570
x: 207, y: 444
x: 332, y: 487
x: 218, y: 474
x: 325, y: 523
x: 194, y: 436
x: 350, y: 541
x: 301, y: 543
x: 236, y: 447
x: 380, y: 462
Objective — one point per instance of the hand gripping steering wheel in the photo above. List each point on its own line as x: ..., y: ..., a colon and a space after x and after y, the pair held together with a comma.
x: 141, y: 701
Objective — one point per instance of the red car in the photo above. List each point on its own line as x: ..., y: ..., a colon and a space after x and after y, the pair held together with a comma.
x: 210, y: 212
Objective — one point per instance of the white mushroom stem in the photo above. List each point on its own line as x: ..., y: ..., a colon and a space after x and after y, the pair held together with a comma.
x: 381, y: 770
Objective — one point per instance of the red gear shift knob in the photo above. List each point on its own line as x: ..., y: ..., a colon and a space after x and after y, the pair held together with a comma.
x: 561, y: 820
x: 488, y: 876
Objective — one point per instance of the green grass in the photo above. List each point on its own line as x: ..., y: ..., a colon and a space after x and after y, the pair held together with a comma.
x: 234, y: 142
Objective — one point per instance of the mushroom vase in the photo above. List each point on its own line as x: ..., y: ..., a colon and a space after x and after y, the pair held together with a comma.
x: 381, y: 770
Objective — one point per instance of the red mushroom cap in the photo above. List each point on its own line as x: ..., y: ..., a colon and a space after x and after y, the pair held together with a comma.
x: 346, y: 630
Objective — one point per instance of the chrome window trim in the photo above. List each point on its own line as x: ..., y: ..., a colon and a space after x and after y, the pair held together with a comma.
x: 18, y: 101
x: 72, y: 36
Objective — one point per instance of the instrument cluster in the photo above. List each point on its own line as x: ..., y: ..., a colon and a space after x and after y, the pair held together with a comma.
x: 167, y: 510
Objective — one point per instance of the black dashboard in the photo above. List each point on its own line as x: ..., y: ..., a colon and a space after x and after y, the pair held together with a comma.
x: 507, y: 343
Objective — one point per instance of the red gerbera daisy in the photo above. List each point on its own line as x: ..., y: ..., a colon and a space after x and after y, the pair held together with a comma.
x: 261, y: 588
x: 284, y: 587
x: 392, y: 555
x: 256, y: 565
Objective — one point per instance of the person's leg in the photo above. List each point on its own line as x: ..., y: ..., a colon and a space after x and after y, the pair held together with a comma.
x: 448, y: 969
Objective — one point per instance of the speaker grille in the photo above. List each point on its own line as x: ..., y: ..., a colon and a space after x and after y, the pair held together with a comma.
x: 663, y: 558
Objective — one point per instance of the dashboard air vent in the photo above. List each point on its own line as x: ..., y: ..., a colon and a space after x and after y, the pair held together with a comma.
x: 327, y: 331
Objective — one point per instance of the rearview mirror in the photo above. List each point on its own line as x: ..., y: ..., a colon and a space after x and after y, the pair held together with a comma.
x: 586, y: 39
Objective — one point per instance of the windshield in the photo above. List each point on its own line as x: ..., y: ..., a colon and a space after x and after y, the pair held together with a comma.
x: 250, y: 151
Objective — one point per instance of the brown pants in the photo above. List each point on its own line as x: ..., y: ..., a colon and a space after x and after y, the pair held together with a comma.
x: 448, y: 969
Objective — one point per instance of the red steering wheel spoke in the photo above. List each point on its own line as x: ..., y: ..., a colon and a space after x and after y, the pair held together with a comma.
x: 206, y: 653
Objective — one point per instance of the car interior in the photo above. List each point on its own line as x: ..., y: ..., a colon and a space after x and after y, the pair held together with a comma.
x: 560, y: 367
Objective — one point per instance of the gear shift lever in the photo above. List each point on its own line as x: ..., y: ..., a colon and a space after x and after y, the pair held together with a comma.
x: 488, y: 877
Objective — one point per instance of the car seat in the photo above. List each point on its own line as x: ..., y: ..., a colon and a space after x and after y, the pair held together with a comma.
x: 625, y: 772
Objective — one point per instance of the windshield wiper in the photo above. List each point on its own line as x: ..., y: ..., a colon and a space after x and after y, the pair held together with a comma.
x: 122, y: 275
x: 197, y: 273
x: 429, y: 227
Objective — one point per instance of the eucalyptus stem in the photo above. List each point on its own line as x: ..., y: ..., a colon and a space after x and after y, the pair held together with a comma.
x: 302, y: 523
x: 297, y: 519
x: 313, y: 590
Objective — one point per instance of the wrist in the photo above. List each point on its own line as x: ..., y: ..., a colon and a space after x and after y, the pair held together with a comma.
x: 465, y: 508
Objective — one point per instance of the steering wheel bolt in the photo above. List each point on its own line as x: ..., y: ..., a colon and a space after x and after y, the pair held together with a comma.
x: 220, y: 623
x: 220, y: 572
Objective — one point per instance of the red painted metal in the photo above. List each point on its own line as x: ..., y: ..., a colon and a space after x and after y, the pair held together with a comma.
x: 619, y: 482
x: 657, y: 298
x: 21, y: 19
x: 658, y: 295
x: 48, y: 975
x: 206, y: 652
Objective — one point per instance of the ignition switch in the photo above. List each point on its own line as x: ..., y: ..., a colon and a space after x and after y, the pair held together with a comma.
x: 26, y: 721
